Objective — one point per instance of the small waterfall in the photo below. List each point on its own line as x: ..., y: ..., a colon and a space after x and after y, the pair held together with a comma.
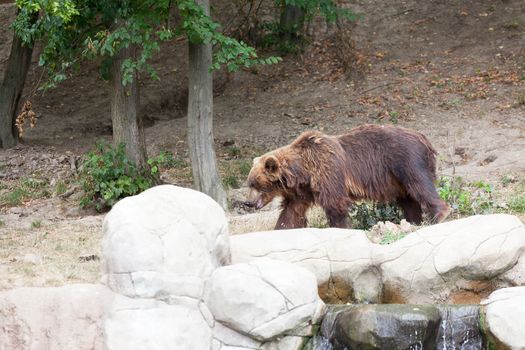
x: 392, y: 327
x: 319, y: 343
x: 459, y: 328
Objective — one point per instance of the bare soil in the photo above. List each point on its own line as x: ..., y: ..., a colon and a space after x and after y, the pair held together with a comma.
x: 452, y: 70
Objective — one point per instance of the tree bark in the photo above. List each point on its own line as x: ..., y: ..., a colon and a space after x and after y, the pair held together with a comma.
x: 11, y: 90
x: 127, y: 124
x: 200, y: 120
x: 291, y: 22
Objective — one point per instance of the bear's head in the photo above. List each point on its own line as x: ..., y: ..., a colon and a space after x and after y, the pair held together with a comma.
x: 274, y: 174
x: 264, y: 181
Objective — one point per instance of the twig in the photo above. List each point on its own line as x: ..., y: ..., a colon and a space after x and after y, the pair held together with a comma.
x: 379, y: 87
x: 402, y: 12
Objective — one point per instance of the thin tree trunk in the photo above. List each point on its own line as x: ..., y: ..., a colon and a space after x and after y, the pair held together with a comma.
x: 200, y: 120
x: 291, y: 22
x: 127, y: 124
x: 11, y: 90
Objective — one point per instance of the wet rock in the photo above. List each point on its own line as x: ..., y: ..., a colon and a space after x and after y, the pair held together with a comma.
x: 387, y: 327
x: 400, y: 327
x: 459, y: 328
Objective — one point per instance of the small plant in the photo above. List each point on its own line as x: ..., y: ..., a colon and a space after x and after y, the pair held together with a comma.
x: 108, y: 175
x: 2, y: 223
x: 36, y: 224
x: 466, y: 198
x: 517, y: 204
x: 26, y: 189
x: 60, y: 187
x: 507, y: 180
x: 230, y: 181
x: 394, y: 117
x: 365, y: 215
x: 235, y: 172
x: 391, y: 237
x: 521, y: 99
x: 164, y: 160
x: 512, y: 24
x: 233, y: 152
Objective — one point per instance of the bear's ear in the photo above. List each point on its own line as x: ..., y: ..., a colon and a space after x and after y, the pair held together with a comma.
x: 271, y: 164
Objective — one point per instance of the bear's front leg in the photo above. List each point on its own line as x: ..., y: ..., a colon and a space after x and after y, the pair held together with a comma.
x: 293, y: 214
x: 337, y: 217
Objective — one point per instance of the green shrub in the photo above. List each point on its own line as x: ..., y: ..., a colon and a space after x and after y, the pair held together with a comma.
x: 108, y: 175
x: 517, y: 204
x: 364, y: 215
x: 466, y: 198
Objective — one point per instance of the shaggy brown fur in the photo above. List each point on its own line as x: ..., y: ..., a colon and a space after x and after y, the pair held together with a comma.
x: 379, y: 163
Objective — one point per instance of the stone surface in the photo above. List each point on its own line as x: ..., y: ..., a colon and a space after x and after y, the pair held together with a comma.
x: 68, y: 317
x: 505, y: 317
x: 459, y: 328
x: 441, y: 262
x: 336, y: 257
x: 263, y: 299
x: 150, y: 324
x: 400, y: 327
x: 459, y: 261
x: 163, y: 243
x: 394, y: 327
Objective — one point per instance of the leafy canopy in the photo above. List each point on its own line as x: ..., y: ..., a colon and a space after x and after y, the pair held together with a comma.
x: 74, y: 29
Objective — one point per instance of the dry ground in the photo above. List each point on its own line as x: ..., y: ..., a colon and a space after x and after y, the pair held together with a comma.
x: 452, y: 70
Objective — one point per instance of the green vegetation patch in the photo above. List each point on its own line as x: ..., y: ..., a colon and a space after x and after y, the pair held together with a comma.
x: 24, y: 190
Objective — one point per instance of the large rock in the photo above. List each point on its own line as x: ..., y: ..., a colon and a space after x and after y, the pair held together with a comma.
x: 68, y: 317
x: 460, y: 261
x: 150, y: 324
x: 455, y: 262
x: 263, y: 299
x: 505, y: 317
x: 391, y: 326
x: 340, y: 259
x: 394, y: 327
x: 164, y: 243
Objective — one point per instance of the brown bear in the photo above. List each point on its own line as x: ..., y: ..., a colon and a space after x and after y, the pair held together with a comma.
x: 385, y: 164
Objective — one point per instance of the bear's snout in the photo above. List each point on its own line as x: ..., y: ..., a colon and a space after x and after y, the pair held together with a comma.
x: 255, y: 199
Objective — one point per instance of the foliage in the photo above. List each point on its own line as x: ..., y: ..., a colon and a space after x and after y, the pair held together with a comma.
x: 274, y: 32
x: 26, y: 189
x: 466, y: 198
x: 165, y: 159
x: 108, y: 175
x: 391, y: 237
x: 36, y: 224
x: 74, y: 29
x: 364, y: 215
x: 517, y: 204
x: 235, y: 172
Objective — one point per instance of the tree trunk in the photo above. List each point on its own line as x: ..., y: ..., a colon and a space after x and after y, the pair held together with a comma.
x: 11, y: 90
x: 291, y: 22
x: 200, y: 120
x: 127, y: 124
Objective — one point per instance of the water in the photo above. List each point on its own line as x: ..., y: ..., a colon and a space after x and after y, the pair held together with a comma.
x: 456, y: 327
